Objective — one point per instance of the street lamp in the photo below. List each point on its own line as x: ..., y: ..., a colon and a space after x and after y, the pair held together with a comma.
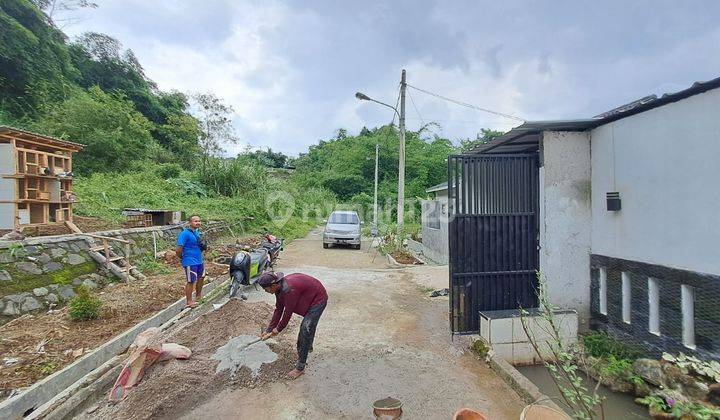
x: 364, y: 97
x: 401, y: 155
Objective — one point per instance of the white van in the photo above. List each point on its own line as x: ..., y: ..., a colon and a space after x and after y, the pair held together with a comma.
x: 342, y: 227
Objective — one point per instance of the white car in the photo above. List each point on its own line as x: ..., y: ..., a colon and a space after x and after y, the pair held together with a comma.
x: 342, y: 227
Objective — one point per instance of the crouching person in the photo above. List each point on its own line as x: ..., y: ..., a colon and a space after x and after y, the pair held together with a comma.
x: 300, y: 294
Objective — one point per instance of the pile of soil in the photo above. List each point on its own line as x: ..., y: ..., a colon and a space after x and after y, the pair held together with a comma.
x: 123, y: 305
x: 404, y: 257
x: 170, y: 388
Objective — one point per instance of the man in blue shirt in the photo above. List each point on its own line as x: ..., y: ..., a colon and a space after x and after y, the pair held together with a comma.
x: 188, y: 250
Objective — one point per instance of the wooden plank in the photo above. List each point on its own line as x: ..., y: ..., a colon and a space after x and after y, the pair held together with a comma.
x: 72, y: 227
x: 42, y: 152
x: 50, y: 144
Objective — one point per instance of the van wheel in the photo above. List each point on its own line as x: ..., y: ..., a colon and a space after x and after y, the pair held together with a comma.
x: 325, y: 246
x: 357, y: 246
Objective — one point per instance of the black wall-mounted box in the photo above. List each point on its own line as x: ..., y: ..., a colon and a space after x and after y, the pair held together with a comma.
x: 613, y: 201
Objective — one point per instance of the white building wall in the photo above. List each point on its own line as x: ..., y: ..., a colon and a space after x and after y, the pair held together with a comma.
x: 664, y: 162
x: 435, y: 241
x: 565, y: 223
x: 7, y: 187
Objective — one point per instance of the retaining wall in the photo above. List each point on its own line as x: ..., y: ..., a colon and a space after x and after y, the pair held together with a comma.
x: 42, y: 273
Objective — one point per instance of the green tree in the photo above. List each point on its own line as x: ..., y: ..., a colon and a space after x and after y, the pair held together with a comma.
x: 114, y: 133
x: 35, y: 65
x: 216, y: 126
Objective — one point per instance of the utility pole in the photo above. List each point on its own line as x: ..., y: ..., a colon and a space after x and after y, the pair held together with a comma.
x: 375, y: 208
x: 401, y: 165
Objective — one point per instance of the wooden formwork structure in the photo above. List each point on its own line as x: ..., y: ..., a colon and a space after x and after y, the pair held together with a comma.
x: 35, y: 179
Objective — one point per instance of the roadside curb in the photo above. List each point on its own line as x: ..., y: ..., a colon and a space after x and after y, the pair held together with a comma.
x: 44, y: 394
x: 528, y: 391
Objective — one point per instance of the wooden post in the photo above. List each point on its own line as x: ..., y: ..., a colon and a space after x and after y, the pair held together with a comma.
x: 127, y: 258
x: 107, y: 252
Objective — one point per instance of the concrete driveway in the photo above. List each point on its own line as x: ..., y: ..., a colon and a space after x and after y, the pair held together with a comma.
x: 381, y: 335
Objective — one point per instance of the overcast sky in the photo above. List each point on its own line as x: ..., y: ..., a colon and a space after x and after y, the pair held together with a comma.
x: 291, y: 69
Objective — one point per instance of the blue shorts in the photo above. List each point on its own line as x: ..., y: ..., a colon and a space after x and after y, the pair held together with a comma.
x: 194, y: 272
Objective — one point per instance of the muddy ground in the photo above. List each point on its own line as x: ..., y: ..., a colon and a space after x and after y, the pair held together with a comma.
x: 381, y: 335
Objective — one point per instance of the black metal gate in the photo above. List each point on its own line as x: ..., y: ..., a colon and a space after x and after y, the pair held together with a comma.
x: 493, y: 235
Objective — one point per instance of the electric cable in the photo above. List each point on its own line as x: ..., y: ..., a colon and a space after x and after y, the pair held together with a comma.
x: 465, y: 104
x: 412, y: 101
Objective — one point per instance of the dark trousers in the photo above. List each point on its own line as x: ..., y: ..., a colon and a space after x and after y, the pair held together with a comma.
x: 306, y: 336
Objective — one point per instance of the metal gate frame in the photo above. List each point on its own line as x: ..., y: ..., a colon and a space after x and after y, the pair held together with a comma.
x: 493, y: 235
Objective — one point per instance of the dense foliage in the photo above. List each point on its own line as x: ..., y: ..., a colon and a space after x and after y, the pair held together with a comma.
x: 91, y: 91
x: 145, y: 148
x: 346, y: 164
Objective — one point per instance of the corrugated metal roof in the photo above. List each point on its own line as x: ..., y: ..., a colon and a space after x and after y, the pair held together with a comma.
x: 438, y: 187
x: 70, y: 144
x: 507, y: 142
x: 149, y: 210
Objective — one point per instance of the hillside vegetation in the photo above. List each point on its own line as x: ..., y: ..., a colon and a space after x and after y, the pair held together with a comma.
x: 145, y: 148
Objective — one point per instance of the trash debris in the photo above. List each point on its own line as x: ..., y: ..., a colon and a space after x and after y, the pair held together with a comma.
x: 441, y: 292
x: 9, y: 361
x: 174, y: 351
x: 77, y: 352
x: 40, y: 348
x: 145, y: 350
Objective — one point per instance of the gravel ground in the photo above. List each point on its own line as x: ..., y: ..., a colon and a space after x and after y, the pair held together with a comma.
x: 380, y: 336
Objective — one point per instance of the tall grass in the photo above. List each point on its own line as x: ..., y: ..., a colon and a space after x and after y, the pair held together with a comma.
x: 252, y: 200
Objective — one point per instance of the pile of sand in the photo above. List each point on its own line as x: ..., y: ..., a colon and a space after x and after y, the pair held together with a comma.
x: 173, y: 387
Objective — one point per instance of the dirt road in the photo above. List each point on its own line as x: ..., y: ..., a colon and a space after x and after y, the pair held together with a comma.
x: 379, y: 336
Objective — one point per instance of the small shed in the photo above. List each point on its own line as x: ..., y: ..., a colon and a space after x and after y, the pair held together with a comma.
x: 148, y: 217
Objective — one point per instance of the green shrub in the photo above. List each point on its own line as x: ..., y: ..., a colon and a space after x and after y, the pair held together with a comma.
x: 599, y: 344
x: 168, y: 170
x: 621, y: 369
x: 84, y: 306
x: 480, y: 348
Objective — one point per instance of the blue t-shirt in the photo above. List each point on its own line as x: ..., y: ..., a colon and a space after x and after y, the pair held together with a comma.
x: 188, y: 240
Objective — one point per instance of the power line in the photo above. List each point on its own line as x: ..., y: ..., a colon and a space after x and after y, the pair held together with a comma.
x: 465, y: 104
x: 397, y: 101
x: 412, y: 101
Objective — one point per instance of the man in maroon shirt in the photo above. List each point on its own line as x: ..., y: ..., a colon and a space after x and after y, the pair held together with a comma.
x: 300, y: 294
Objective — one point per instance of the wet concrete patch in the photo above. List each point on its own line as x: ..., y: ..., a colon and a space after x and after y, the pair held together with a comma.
x: 244, y: 350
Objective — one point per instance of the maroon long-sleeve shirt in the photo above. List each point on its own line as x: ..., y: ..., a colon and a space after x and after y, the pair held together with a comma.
x: 299, y: 293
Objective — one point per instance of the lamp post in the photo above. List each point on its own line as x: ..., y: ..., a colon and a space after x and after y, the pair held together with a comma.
x: 401, y: 163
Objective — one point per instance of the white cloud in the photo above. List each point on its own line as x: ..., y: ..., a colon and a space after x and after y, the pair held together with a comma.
x: 290, y: 69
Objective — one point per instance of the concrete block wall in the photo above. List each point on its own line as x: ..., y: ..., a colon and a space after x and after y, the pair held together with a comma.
x: 504, y: 332
x: 635, y: 330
